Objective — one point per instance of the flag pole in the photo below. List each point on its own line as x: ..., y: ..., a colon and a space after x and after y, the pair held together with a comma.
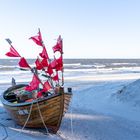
x: 62, y: 66
x: 43, y: 45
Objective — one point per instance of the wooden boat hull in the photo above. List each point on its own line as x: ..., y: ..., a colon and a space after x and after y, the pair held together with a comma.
x: 48, y: 110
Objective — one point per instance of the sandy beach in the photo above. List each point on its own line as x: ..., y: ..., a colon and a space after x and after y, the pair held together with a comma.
x: 95, y: 113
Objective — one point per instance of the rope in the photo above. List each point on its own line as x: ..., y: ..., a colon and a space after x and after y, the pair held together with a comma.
x: 46, y: 126
x: 27, y: 117
x: 71, y: 126
x: 71, y: 120
x: 60, y: 135
x: 42, y: 118
x: 24, y: 123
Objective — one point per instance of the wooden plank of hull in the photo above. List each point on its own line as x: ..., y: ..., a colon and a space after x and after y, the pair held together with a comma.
x: 66, y: 102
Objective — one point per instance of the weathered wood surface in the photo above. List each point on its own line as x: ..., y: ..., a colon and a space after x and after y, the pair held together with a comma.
x: 52, y: 110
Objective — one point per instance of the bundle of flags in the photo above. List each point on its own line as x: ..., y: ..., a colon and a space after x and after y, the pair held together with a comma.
x: 51, y: 68
x: 43, y: 62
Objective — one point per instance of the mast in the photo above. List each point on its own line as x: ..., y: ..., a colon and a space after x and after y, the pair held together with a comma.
x: 62, y: 63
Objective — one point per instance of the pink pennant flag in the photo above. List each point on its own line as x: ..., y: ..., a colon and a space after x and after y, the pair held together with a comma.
x: 59, y: 45
x: 12, y: 52
x: 46, y: 86
x: 57, y: 64
x: 55, y: 78
x: 49, y: 70
x: 53, y: 63
x: 44, y: 53
x: 40, y: 64
x: 44, y: 62
x: 60, y: 64
x: 37, y: 39
x: 23, y: 63
x: 33, y: 84
x: 39, y: 94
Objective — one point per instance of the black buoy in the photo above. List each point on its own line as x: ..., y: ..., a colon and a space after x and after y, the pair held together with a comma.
x: 69, y: 90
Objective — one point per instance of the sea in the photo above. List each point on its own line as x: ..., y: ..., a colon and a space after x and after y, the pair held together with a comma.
x: 72, y: 68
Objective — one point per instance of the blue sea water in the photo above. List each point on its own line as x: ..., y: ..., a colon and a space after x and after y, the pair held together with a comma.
x: 8, y: 64
x: 72, y: 67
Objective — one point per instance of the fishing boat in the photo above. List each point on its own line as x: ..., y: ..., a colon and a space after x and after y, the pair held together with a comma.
x: 41, y: 103
x: 44, y: 112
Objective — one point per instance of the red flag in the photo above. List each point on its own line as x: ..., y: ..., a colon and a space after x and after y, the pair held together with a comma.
x: 60, y: 64
x: 41, y: 64
x: 53, y: 64
x: 38, y: 64
x: 39, y: 94
x: 49, y: 70
x: 12, y: 52
x: 46, y: 86
x: 44, y: 63
x: 59, y: 45
x: 44, y: 53
x: 23, y: 63
x: 37, y: 39
x: 57, y: 64
x: 55, y: 78
x: 33, y: 84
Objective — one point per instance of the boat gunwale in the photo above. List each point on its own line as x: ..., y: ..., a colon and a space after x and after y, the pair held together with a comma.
x: 7, y: 103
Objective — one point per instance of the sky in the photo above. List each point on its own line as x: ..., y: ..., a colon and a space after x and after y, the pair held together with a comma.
x: 89, y: 28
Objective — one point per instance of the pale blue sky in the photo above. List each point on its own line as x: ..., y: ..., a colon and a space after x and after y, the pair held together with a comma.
x: 89, y: 28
